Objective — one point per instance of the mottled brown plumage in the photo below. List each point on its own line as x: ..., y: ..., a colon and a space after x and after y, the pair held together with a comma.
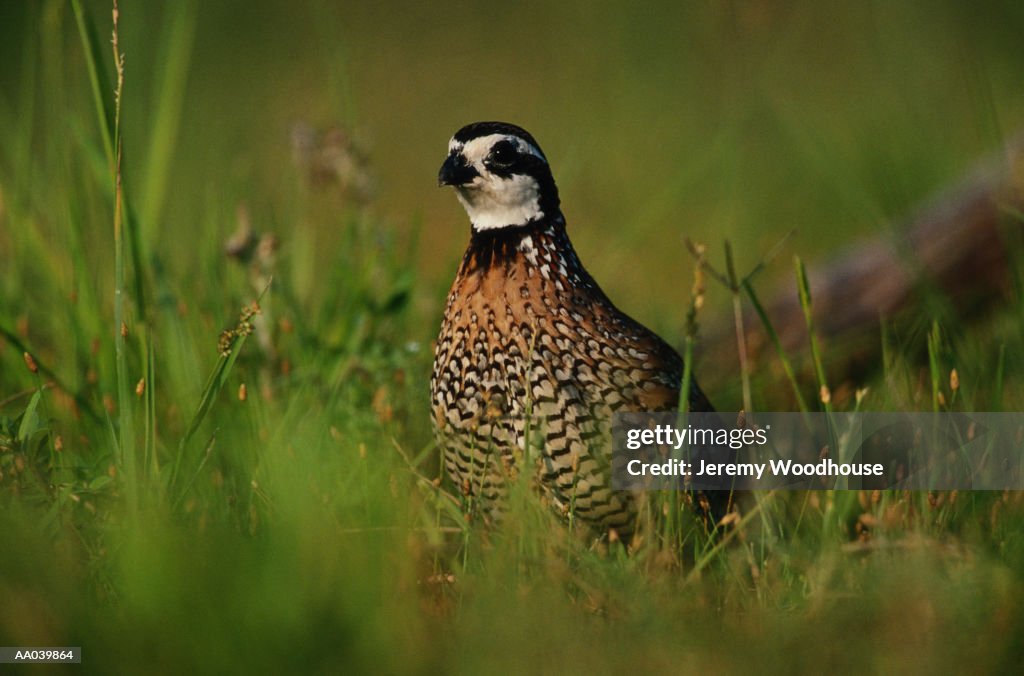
x: 533, y: 359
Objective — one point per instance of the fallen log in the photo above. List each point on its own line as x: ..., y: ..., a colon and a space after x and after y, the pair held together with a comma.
x: 961, y: 244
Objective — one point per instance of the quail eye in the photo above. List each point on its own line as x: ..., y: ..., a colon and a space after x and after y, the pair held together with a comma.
x: 503, y: 153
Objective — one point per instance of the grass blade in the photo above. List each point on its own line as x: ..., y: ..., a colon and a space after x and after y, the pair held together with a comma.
x: 824, y: 393
x: 97, y: 77
x: 787, y: 365
x: 176, y: 54
x: 934, y: 345
x: 997, y: 394
x: 217, y: 380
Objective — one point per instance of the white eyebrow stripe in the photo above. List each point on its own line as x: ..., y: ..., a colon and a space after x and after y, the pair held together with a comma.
x: 475, y: 150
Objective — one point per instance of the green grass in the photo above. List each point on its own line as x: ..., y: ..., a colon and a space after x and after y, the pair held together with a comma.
x: 154, y: 515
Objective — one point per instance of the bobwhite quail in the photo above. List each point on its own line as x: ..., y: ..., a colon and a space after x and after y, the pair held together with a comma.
x: 533, y: 358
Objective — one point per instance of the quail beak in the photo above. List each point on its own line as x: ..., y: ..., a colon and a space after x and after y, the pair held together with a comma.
x: 455, y: 171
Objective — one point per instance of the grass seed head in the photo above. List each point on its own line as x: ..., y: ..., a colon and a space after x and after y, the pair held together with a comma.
x: 225, y: 341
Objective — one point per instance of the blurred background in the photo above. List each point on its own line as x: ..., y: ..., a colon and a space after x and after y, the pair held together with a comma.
x: 739, y: 120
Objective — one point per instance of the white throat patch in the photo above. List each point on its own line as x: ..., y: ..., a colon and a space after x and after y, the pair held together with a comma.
x: 493, y: 201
